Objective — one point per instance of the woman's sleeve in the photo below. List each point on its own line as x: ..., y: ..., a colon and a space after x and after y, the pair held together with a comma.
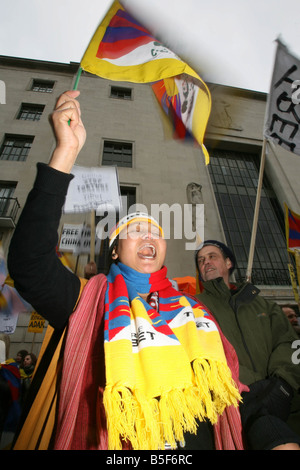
x: 38, y: 274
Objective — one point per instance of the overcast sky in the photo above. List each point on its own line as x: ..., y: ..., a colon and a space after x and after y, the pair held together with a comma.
x: 230, y: 42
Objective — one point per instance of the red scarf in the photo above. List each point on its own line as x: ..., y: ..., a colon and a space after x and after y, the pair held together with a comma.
x: 81, y: 423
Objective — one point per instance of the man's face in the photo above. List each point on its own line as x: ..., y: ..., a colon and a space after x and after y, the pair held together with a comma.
x: 212, y: 264
x: 291, y: 315
x: 141, y: 247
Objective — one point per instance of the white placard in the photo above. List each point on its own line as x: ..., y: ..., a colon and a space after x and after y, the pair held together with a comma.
x: 76, y: 238
x: 93, y: 189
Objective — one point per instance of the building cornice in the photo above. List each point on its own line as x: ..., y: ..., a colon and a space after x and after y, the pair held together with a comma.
x: 33, y: 64
x: 72, y: 67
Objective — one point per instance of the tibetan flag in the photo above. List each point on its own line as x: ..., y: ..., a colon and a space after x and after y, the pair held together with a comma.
x: 283, y: 108
x: 292, y: 228
x: 10, y: 374
x: 123, y: 50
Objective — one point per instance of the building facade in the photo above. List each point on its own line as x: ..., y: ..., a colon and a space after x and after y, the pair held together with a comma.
x: 126, y: 128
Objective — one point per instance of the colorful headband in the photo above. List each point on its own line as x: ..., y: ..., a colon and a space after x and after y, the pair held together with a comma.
x: 128, y: 219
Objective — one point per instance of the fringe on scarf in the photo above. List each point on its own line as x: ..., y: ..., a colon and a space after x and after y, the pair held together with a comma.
x: 148, y: 424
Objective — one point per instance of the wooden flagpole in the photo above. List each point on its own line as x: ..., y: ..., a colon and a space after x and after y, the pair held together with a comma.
x: 293, y: 277
x: 92, y: 246
x: 256, y: 211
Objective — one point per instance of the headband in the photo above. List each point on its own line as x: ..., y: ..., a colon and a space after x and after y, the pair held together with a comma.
x: 128, y: 219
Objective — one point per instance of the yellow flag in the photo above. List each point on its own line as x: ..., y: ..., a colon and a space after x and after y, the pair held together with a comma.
x: 123, y: 50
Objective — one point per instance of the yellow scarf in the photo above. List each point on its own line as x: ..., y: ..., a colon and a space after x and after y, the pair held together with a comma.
x: 165, y: 368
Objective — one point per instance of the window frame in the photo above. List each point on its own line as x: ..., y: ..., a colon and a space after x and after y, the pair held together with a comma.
x: 27, y: 142
x: 118, y: 149
x: 236, y: 203
x: 35, y: 109
x: 42, y: 85
x: 121, y: 93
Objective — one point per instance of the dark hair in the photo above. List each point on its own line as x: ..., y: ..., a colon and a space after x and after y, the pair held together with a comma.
x: 23, y: 353
x: 108, y: 259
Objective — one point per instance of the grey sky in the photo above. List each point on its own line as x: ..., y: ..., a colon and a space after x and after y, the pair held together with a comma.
x: 230, y: 42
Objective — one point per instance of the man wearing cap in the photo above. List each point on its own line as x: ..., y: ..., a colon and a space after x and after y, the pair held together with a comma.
x: 262, y: 338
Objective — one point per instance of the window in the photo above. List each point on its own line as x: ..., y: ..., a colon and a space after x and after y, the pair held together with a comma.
x: 42, y: 86
x: 235, y: 177
x: 128, y: 194
x: 117, y: 153
x: 30, y: 112
x: 6, y: 193
x: 16, y: 147
x: 121, y: 93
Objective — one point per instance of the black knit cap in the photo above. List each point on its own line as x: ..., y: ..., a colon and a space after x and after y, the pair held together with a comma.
x: 226, y: 251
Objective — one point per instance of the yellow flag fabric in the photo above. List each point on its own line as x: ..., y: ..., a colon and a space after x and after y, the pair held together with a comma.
x: 123, y: 50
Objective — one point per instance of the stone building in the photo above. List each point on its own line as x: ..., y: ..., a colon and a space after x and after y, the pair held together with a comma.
x: 126, y: 128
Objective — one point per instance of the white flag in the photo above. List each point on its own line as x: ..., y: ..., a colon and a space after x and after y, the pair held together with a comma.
x: 283, y: 113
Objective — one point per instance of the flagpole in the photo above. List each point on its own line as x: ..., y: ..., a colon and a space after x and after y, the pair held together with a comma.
x: 293, y: 278
x: 92, y: 246
x: 79, y: 72
x: 256, y: 211
x: 76, y: 83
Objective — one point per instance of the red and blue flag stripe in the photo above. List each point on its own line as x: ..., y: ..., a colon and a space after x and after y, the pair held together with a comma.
x: 123, y: 35
x: 293, y: 229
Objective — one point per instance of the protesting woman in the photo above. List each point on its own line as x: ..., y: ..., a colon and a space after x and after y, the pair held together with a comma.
x: 130, y: 362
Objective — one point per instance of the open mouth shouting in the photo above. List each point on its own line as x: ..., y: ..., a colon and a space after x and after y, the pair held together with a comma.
x: 141, y: 247
x: 147, y: 251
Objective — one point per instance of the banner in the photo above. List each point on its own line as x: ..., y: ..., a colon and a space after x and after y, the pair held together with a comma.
x: 76, y: 238
x: 123, y: 50
x: 36, y: 323
x: 283, y: 108
x: 93, y: 189
x: 293, y: 282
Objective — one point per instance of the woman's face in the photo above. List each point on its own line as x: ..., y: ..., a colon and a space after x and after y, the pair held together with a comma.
x: 141, y: 247
x: 27, y: 361
x: 19, y: 358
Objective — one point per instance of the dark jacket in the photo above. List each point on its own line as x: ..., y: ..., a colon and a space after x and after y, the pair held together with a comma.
x: 262, y: 337
x: 257, y: 328
x: 39, y: 275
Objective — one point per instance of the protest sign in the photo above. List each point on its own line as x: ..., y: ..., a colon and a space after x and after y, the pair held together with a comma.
x: 93, y: 189
x: 76, y: 238
x: 36, y: 323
